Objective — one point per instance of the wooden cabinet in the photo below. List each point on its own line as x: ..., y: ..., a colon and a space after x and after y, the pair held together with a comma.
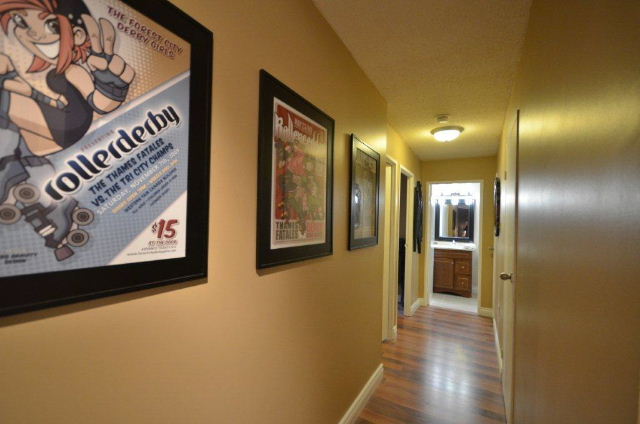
x: 452, y: 272
x: 443, y: 273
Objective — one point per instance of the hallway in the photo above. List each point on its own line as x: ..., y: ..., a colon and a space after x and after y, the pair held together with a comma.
x: 442, y: 369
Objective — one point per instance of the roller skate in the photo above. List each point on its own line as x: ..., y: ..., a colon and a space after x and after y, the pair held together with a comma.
x: 12, y: 173
x: 59, y: 224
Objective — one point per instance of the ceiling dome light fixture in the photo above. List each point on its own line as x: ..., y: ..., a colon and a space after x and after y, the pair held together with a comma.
x: 448, y: 133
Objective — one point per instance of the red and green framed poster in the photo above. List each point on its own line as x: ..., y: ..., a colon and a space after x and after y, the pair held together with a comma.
x: 295, y: 177
x: 104, y: 131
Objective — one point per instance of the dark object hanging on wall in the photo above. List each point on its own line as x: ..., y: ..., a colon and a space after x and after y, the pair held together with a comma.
x: 365, y: 177
x: 418, y: 209
x: 496, y: 204
x: 295, y: 177
x: 402, y: 251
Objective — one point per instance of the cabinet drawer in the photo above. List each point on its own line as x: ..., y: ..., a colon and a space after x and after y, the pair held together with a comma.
x: 462, y: 282
x: 453, y: 254
x: 463, y: 267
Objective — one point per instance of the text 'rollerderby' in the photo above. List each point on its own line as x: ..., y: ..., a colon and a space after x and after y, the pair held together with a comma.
x: 87, y: 167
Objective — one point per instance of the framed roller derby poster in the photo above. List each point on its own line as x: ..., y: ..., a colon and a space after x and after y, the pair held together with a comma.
x: 365, y: 177
x: 295, y: 177
x: 105, y: 113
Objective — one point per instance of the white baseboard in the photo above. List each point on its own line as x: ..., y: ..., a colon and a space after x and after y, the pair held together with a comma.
x: 415, y: 306
x: 485, y: 312
x: 498, y: 350
x: 363, y: 397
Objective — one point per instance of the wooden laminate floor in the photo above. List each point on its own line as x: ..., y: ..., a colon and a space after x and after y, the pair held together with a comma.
x: 442, y: 369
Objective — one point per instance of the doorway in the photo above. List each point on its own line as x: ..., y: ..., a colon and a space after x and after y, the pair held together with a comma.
x: 407, y: 288
x: 402, y: 244
x: 454, y: 240
x: 400, y: 291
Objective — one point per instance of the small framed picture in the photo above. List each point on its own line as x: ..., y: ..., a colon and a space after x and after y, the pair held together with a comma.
x: 295, y: 177
x: 365, y: 177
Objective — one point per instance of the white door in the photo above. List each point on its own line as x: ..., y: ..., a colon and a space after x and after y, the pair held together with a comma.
x: 508, y: 271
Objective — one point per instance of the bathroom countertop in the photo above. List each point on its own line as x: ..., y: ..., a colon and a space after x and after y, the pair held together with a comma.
x: 453, y: 246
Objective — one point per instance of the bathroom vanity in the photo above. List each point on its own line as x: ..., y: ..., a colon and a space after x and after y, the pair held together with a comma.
x: 452, y: 271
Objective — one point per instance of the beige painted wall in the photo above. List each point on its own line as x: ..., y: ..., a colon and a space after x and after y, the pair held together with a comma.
x: 399, y: 151
x: 463, y: 170
x: 577, y: 325
x: 294, y: 344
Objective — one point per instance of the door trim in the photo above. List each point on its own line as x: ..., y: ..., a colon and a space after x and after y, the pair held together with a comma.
x: 390, y: 267
x: 408, y: 256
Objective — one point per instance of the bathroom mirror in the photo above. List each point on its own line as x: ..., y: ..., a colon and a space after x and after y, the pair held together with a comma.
x: 454, y: 220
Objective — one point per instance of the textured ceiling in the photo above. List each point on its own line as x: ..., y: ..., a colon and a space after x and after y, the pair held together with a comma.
x: 429, y: 57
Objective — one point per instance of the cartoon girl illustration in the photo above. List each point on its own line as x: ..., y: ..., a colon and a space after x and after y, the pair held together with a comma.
x: 77, y: 54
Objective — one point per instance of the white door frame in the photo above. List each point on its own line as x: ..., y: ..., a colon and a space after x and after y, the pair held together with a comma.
x: 410, y: 304
x: 428, y: 257
x: 390, y: 266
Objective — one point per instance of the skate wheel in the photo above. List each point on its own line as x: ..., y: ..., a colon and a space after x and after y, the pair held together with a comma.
x: 78, y: 238
x: 26, y: 193
x: 83, y: 216
x: 9, y: 214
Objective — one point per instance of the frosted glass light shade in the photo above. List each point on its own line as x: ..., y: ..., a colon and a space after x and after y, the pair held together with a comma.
x: 446, y: 134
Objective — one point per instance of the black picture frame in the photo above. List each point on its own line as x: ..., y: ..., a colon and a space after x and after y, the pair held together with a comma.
x: 293, y: 208
x: 496, y: 204
x: 36, y: 291
x: 471, y: 221
x: 357, y: 196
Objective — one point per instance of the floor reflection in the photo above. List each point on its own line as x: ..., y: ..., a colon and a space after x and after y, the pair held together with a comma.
x: 442, y: 369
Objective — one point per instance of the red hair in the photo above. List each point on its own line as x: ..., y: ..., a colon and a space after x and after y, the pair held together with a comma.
x: 69, y: 52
